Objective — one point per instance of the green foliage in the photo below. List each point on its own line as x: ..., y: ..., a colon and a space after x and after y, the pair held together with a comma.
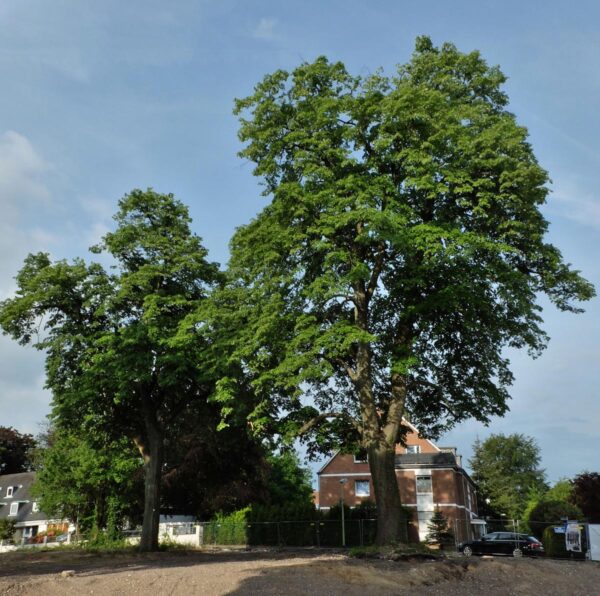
x: 297, y: 524
x: 561, y: 491
x: 7, y: 528
x: 506, y: 470
x: 586, y: 495
x: 115, y: 362
x: 438, y: 531
x: 402, y: 251
x: 554, y: 544
x: 227, y: 529
x: 209, y: 470
x: 289, y: 482
x: 96, y: 485
x: 15, y: 451
x: 550, y: 511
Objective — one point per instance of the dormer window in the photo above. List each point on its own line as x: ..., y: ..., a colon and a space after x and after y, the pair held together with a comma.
x: 413, y: 449
x: 9, y: 491
x: 14, y: 508
x: 361, y: 457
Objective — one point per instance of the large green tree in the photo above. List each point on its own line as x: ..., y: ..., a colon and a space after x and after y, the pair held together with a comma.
x: 402, y: 251
x: 113, y: 358
x: 506, y: 469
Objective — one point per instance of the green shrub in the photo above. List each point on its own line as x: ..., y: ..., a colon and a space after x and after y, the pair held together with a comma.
x: 7, y: 529
x: 227, y: 529
x: 549, y: 512
x: 554, y: 544
x: 297, y: 524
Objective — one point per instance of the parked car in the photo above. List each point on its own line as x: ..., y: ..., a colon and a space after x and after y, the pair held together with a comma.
x: 503, y: 543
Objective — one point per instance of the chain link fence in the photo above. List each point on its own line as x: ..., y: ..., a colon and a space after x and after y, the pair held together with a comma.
x: 317, y: 533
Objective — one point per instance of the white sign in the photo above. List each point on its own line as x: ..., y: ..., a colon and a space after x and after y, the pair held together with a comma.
x: 573, y: 538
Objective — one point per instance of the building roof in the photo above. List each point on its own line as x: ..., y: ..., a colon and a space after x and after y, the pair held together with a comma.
x: 429, y: 460
x: 443, y: 459
x: 21, y: 484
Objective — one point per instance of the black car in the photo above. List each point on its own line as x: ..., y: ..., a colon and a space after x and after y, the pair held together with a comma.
x: 503, y: 543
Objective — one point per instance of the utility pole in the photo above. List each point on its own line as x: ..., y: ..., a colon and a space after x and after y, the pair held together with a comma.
x: 342, y: 482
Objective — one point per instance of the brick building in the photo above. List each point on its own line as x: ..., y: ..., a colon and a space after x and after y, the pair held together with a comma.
x: 428, y: 477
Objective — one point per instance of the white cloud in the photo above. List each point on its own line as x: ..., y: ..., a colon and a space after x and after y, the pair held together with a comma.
x: 575, y: 204
x: 21, y: 171
x: 265, y: 29
x: 23, y: 190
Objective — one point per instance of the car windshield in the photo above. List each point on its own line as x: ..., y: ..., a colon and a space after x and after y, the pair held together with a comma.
x: 533, y: 539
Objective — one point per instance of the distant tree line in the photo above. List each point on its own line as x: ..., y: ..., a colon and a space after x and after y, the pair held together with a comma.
x: 512, y: 486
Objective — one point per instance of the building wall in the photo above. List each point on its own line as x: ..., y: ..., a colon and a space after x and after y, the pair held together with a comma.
x: 412, y: 438
x: 450, y: 489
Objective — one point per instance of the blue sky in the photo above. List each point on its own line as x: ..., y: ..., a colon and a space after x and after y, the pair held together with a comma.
x: 102, y: 97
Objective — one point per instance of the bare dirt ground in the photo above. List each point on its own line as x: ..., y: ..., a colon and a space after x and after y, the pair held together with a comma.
x: 286, y: 572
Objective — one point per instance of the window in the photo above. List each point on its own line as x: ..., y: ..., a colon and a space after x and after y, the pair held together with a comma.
x: 413, y: 449
x: 361, y: 457
x: 35, y: 507
x: 362, y: 488
x: 9, y: 491
x: 424, y: 484
x: 14, y: 508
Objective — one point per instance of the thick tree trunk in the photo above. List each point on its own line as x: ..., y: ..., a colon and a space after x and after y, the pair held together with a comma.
x: 379, y: 438
x: 387, y: 494
x: 152, y: 452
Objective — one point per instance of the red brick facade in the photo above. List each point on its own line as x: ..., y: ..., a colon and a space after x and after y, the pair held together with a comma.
x: 428, y: 477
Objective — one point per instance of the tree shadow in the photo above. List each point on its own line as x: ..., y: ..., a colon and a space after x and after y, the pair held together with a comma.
x: 32, y: 563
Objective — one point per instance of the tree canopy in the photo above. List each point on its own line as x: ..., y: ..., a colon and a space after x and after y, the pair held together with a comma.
x: 506, y: 471
x: 16, y: 450
x: 113, y: 360
x: 288, y: 481
x: 586, y: 495
x: 402, y: 251
x: 93, y: 482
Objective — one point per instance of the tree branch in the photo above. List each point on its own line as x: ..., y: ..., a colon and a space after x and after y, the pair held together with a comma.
x: 349, y: 370
x: 317, y: 419
x: 377, y: 269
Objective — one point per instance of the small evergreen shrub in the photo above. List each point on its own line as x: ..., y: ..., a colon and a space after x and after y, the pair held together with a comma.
x: 438, y: 532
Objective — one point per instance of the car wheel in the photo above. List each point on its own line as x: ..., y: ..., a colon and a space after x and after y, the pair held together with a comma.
x: 517, y: 552
x: 467, y: 551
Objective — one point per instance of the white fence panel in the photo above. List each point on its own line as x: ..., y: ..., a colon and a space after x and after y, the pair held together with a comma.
x: 594, y: 537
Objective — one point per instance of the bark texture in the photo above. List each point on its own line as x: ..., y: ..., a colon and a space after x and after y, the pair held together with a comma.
x: 152, y: 452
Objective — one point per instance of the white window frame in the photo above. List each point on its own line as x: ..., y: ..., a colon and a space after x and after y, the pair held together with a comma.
x: 429, y: 492
x: 364, y: 493
x: 9, y: 492
x: 361, y: 461
x: 413, y: 449
x: 14, y: 508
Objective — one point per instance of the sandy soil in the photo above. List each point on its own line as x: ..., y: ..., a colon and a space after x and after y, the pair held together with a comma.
x: 287, y: 572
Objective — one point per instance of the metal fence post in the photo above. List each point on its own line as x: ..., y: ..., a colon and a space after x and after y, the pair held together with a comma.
x: 456, y: 540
